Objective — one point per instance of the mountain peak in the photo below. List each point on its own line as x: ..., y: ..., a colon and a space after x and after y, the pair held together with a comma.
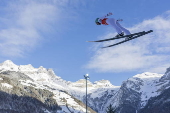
x: 104, y: 83
x: 8, y: 63
x: 40, y: 73
x: 147, y: 75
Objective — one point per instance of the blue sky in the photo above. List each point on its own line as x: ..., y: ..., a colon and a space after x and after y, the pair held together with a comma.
x: 53, y: 34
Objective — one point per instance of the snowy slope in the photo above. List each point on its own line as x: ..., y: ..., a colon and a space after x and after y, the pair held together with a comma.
x: 147, y: 84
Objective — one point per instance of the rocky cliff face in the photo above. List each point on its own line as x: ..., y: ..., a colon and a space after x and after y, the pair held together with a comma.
x: 138, y: 94
x: 160, y: 103
x: 18, y: 98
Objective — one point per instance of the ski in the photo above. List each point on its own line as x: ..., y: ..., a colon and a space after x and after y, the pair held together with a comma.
x: 139, y: 35
x: 131, y: 35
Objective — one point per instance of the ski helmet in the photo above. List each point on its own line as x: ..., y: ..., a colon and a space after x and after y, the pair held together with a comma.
x: 97, y: 21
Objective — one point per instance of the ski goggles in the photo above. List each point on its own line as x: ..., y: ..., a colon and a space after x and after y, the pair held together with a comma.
x: 97, y: 20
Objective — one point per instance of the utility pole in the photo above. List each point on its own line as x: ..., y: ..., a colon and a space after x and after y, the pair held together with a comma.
x: 86, y: 76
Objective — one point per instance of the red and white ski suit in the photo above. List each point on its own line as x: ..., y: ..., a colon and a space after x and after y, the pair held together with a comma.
x: 115, y: 24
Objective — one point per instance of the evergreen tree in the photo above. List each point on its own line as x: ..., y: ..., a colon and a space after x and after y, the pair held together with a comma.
x: 110, y: 109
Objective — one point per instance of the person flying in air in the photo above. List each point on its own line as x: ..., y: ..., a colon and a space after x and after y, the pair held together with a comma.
x: 114, y: 23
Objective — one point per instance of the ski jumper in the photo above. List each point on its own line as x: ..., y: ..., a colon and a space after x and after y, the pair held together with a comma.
x: 115, y: 24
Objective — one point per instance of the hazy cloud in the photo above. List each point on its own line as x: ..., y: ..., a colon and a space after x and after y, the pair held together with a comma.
x: 23, y: 23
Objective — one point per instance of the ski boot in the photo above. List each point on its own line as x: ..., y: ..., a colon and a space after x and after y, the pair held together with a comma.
x: 119, y: 35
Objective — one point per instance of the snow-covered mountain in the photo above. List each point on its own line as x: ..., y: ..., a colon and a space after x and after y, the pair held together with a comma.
x: 43, y: 91
x: 137, y: 94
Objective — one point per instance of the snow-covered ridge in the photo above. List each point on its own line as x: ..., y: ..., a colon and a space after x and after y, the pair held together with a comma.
x: 97, y: 84
x: 103, y: 83
x: 147, y: 84
x: 43, y: 74
x: 148, y: 75
x: 40, y: 73
x: 142, y: 79
x: 48, y: 77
